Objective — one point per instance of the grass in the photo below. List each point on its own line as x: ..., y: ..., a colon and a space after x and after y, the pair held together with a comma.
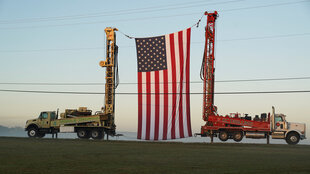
x: 24, y: 155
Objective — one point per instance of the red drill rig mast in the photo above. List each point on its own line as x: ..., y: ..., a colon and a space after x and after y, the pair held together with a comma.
x: 208, y: 68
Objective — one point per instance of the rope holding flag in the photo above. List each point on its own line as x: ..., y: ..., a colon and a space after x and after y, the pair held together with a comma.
x: 194, y: 25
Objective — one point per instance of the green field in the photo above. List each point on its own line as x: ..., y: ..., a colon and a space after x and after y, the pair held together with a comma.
x: 23, y: 155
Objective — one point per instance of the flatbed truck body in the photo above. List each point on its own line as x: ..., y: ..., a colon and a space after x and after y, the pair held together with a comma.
x: 86, y: 126
x: 235, y: 127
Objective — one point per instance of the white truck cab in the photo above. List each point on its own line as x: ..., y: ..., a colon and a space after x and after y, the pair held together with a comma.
x: 281, y: 129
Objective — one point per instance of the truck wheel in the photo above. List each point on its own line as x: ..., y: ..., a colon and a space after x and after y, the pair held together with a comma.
x: 292, y: 138
x: 32, y: 132
x: 223, y: 136
x: 83, y: 134
x: 96, y: 134
x: 238, y: 136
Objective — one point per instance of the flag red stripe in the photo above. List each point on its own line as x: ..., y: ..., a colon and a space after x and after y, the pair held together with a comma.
x: 156, y: 105
x: 139, y: 104
x: 189, y: 129
x: 166, y: 104
x: 174, y: 85
x: 180, y: 36
x: 148, y: 105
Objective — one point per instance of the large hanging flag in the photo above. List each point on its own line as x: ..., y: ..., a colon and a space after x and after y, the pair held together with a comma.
x: 163, y: 86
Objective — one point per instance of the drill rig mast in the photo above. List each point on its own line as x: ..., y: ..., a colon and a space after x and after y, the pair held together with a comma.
x: 111, y: 77
x: 207, y: 68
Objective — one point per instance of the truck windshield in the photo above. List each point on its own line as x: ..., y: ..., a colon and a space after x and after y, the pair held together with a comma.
x: 278, y: 119
x: 44, y: 115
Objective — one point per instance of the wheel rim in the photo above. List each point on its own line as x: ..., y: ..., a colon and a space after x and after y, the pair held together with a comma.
x: 223, y: 136
x: 32, y: 133
x: 95, y: 134
x: 82, y: 133
x: 238, y: 136
x: 293, y: 138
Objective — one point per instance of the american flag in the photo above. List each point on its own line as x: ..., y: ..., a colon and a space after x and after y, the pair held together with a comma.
x: 163, y: 86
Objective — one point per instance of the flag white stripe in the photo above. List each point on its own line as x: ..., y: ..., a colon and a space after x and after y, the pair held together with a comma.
x: 161, y: 104
x: 168, y: 57
x: 144, y: 103
x: 184, y: 84
x: 178, y: 78
x: 153, y: 106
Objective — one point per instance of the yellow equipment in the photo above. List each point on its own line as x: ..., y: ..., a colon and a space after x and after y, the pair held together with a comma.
x: 111, y: 66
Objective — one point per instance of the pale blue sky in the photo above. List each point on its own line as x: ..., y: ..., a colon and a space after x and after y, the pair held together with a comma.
x: 30, y: 30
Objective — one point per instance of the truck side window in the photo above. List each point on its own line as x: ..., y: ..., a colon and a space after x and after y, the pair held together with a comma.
x: 278, y: 119
x: 44, y: 115
x: 53, y: 115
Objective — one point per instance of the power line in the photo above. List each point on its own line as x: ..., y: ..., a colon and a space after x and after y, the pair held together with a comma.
x: 263, y: 6
x: 55, y: 49
x: 118, y: 12
x: 136, y: 10
x: 75, y: 16
x: 265, y: 79
x: 100, y: 48
x: 101, y: 22
x: 135, y: 83
x: 154, y: 17
x: 267, y: 37
x: 132, y: 93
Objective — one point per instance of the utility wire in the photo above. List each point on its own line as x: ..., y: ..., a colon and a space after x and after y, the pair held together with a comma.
x: 55, y: 49
x: 263, y: 6
x: 101, y: 22
x: 116, y: 13
x: 136, y: 10
x: 267, y: 37
x: 271, y: 79
x: 135, y: 83
x: 127, y: 46
x: 132, y: 93
x: 154, y: 17
x: 22, y: 20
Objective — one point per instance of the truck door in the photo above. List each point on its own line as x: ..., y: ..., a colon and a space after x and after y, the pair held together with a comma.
x: 279, y: 123
x: 44, y: 120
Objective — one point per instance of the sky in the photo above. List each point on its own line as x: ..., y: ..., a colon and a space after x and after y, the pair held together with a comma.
x: 63, y: 42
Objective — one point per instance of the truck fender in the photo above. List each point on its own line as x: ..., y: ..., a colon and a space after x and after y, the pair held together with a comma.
x: 32, y: 125
x: 296, y: 131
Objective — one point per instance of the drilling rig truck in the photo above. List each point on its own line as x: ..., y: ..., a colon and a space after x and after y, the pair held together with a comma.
x: 235, y: 126
x: 83, y: 121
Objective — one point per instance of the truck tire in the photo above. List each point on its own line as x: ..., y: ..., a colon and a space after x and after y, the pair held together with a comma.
x: 96, y: 134
x: 32, y: 132
x: 292, y: 138
x: 238, y: 136
x: 83, y: 134
x: 223, y: 136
